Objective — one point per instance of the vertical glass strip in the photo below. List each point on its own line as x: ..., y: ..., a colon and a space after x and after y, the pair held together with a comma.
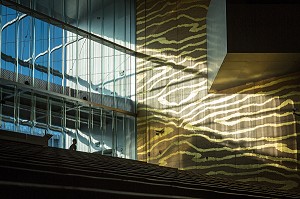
x: 1, y: 97
x: 17, y: 49
x: 63, y: 81
x: 33, y: 51
x: 32, y: 113
x: 49, y: 57
x: 112, y: 134
x: 77, y: 124
x: 90, y: 127
x: 114, y: 56
x: 102, y: 60
x: 101, y: 131
x: 1, y: 7
x: 16, y: 109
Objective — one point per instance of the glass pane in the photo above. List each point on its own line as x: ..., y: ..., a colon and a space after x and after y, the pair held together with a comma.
x: 71, y: 12
x: 83, y: 14
x: 109, y: 20
x: 56, y: 140
x: 120, y: 17
x: 130, y: 137
x: 57, y: 9
x: 8, y: 42
x: 120, y: 136
x: 42, y: 55
x: 97, y: 17
x: 43, y: 6
x: 107, y: 142
x: 96, y: 132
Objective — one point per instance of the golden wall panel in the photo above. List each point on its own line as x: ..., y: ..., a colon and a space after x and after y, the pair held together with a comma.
x: 250, y: 135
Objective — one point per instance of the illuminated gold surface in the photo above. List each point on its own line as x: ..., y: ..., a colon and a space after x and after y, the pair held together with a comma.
x: 250, y: 136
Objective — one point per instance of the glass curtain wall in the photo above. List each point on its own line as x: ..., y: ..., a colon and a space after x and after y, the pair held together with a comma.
x: 77, y: 71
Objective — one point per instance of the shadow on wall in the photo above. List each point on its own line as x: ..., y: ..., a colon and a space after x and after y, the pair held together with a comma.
x: 247, y: 137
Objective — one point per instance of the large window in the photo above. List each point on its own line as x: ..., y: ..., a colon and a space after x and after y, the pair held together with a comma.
x: 81, y: 77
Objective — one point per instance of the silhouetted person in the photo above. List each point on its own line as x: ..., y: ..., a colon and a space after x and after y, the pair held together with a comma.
x: 73, y: 147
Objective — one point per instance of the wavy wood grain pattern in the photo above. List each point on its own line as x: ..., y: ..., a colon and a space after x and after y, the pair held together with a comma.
x: 250, y: 136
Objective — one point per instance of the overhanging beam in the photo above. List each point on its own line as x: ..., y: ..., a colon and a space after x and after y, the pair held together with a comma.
x: 251, y: 40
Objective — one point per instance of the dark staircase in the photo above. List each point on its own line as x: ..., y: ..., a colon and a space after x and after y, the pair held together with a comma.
x: 33, y: 171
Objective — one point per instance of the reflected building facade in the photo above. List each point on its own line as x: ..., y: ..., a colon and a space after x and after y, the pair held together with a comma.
x: 62, y: 83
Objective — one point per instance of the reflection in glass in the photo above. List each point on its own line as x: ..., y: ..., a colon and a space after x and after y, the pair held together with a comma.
x: 47, y: 58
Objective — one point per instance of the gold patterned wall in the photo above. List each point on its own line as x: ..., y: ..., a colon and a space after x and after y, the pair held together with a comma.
x: 250, y: 135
